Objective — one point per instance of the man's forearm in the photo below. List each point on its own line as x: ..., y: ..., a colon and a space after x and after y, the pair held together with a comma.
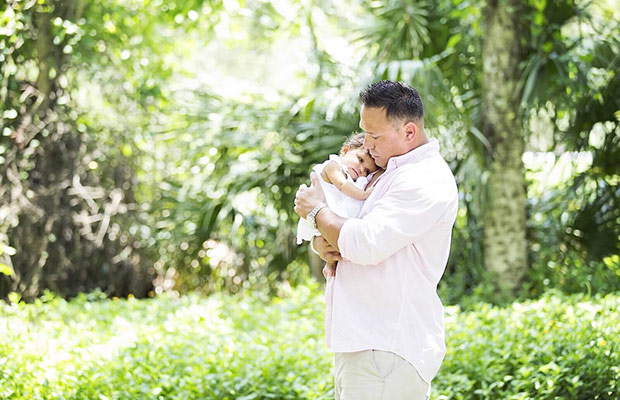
x: 329, y: 224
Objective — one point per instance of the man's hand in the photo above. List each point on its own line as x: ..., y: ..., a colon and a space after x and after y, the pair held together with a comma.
x: 308, y: 197
x: 325, y: 250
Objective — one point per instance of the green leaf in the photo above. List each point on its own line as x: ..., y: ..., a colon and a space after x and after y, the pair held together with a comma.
x: 6, y: 249
x: 5, y: 269
x: 480, y: 136
x: 14, y: 297
x: 453, y: 41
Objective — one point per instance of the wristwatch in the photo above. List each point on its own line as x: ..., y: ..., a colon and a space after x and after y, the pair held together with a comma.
x: 311, y: 217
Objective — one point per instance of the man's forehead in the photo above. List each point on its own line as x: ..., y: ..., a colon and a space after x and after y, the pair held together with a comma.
x: 366, y: 129
x: 374, y: 120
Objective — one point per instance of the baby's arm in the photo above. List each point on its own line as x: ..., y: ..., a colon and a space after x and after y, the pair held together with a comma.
x: 333, y: 173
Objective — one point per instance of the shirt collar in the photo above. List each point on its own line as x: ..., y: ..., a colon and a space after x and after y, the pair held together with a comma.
x: 415, y: 155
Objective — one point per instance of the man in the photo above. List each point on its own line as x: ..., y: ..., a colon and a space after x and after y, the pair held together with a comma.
x: 386, y: 325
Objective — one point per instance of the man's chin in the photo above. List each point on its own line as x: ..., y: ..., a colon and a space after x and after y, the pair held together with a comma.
x: 380, y: 162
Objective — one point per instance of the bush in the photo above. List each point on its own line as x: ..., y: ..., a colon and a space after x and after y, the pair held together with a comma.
x: 249, y: 347
x: 165, y: 348
x: 557, y: 347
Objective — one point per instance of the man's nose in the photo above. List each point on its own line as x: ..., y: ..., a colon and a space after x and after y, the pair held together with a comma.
x: 367, y: 145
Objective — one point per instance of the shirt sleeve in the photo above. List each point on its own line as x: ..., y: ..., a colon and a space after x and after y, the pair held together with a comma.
x: 405, y: 212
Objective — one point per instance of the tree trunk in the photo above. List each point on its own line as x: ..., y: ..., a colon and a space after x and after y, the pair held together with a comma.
x: 316, y: 266
x: 505, y: 213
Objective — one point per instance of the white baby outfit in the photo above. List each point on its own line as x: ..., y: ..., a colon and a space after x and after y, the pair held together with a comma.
x: 338, y: 202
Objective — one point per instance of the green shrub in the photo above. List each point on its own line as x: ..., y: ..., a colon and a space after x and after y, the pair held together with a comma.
x: 250, y: 347
x: 558, y: 347
x: 165, y: 348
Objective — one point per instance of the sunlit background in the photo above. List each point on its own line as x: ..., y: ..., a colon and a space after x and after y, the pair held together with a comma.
x: 150, y: 152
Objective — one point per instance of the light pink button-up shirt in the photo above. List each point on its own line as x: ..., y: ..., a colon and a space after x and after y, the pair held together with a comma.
x: 384, y: 294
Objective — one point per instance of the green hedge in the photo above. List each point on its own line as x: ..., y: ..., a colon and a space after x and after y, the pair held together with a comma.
x: 252, y: 348
x: 557, y: 347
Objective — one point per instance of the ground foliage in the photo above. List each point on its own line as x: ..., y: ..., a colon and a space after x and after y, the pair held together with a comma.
x: 255, y: 347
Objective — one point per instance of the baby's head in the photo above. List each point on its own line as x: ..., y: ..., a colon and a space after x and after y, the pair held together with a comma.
x: 356, y: 158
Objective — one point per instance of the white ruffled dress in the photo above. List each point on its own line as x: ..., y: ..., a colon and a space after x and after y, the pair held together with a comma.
x: 338, y: 202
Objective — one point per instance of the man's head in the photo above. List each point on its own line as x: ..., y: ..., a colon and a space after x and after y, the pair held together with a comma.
x: 392, y: 116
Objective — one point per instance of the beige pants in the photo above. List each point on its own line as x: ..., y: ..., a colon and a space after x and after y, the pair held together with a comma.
x: 377, y: 375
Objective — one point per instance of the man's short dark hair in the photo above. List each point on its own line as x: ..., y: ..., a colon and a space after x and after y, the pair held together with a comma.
x: 399, y: 99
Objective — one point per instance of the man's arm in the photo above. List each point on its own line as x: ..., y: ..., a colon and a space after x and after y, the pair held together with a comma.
x: 330, y: 224
x: 406, y: 212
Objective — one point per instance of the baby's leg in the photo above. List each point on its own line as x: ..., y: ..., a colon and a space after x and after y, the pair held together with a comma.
x: 330, y: 269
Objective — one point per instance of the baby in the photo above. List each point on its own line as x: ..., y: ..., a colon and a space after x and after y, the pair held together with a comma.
x: 343, y: 180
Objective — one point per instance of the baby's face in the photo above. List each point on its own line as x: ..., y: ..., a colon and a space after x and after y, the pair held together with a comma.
x: 358, y: 162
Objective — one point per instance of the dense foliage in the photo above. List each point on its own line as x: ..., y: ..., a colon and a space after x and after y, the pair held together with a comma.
x: 158, y: 146
x: 154, y: 148
x: 556, y: 347
x: 247, y: 347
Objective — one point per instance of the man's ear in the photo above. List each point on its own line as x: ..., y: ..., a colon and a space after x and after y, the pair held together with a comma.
x: 411, y: 130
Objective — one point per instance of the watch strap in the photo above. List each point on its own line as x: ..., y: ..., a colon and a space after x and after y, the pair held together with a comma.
x: 311, y: 217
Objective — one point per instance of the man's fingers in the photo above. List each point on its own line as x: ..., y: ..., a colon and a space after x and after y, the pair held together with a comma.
x: 321, y: 243
x: 325, y: 250
x: 314, y: 178
x: 301, y: 187
x: 333, y: 256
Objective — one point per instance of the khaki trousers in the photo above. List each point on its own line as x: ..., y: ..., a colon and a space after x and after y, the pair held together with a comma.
x: 377, y: 375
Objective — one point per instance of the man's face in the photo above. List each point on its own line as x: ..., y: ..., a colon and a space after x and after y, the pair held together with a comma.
x: 384, y: 138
